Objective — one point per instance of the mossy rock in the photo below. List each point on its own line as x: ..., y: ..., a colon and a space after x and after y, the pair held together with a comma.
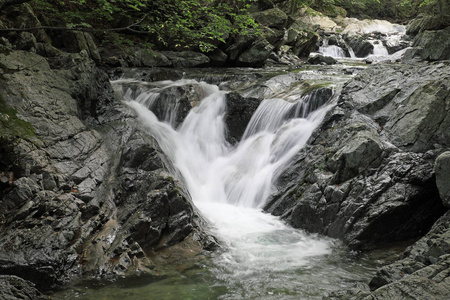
x: 12, y: 126
x: 334, y: 11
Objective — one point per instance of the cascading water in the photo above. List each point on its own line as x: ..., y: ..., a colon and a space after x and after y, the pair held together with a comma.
x: 378, y: 48
x: 263, y: 257
x: 331, y: 50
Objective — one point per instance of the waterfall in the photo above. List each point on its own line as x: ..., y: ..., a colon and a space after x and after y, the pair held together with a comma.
x: 333, y: 51
x: 230, y: 184
x: 378, y: 48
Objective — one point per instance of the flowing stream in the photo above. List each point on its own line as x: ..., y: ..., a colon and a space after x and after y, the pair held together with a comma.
x: 262, y: 257
x: 230, y: 184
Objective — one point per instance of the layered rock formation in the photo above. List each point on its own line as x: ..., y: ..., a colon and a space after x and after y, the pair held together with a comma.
x: 83, y: 190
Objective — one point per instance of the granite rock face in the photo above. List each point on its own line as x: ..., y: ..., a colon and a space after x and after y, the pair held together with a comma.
x: 421, y: 273
x: 367, y: 174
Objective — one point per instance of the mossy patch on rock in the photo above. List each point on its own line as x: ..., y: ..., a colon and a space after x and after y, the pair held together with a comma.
x: 11, y: 125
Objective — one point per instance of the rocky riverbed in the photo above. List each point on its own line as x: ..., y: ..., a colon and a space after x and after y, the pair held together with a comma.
x: 86, y: 192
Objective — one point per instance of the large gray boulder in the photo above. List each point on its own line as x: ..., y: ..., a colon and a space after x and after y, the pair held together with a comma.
x: 425, y: 22
x: 274, y: 18
x: 149, y: 58
x: 442, y: 170
x: 431, y: 45
x: 358, y: 179
x: 361, y: 46
x: 186, y: 59
x: 321, y: 60
x: 256, y: 54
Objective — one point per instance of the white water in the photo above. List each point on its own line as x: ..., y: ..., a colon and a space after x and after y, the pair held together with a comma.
x: 378, y: 48
x: 230, y: 184
x: 333, y: 51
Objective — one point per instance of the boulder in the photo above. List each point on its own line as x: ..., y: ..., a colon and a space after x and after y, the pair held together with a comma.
x: 256, y: 54
x: 442, y: 170
x: 361, y: 27
x: 321, y: 60
x: 186, y: 59
x: 431, y: 45
x: 423, y: 118
x: 361, y: 47
x: 425, y: 22
x: 319, y: 21
x: 217, y: 57
x: 273, y: 18
x: 240, y: 44
x: 303, y: 41
x: 149, y: 58
x: 272, y: 35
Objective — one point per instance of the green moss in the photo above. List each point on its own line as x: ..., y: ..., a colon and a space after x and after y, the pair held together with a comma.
x: 11, y: 126
x: 315, y: 86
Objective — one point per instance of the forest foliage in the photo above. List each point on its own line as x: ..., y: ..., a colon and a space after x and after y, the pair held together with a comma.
x: 168, y: 23
x: 198, y: 24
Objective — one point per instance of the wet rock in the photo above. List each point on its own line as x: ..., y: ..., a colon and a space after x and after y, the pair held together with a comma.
x: 13, y: 287
x: 140, y: 154
x: 423, y: 119
x: 173, y: 103
x: 239, y: 112
x: 442, y: 170
x: 421, y: 273
x: 431, y: 45
x: 321, y: 60
x: 89, y: 194
x: 23, y: 190
x: 361, y: 47
x: 360, y: 152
